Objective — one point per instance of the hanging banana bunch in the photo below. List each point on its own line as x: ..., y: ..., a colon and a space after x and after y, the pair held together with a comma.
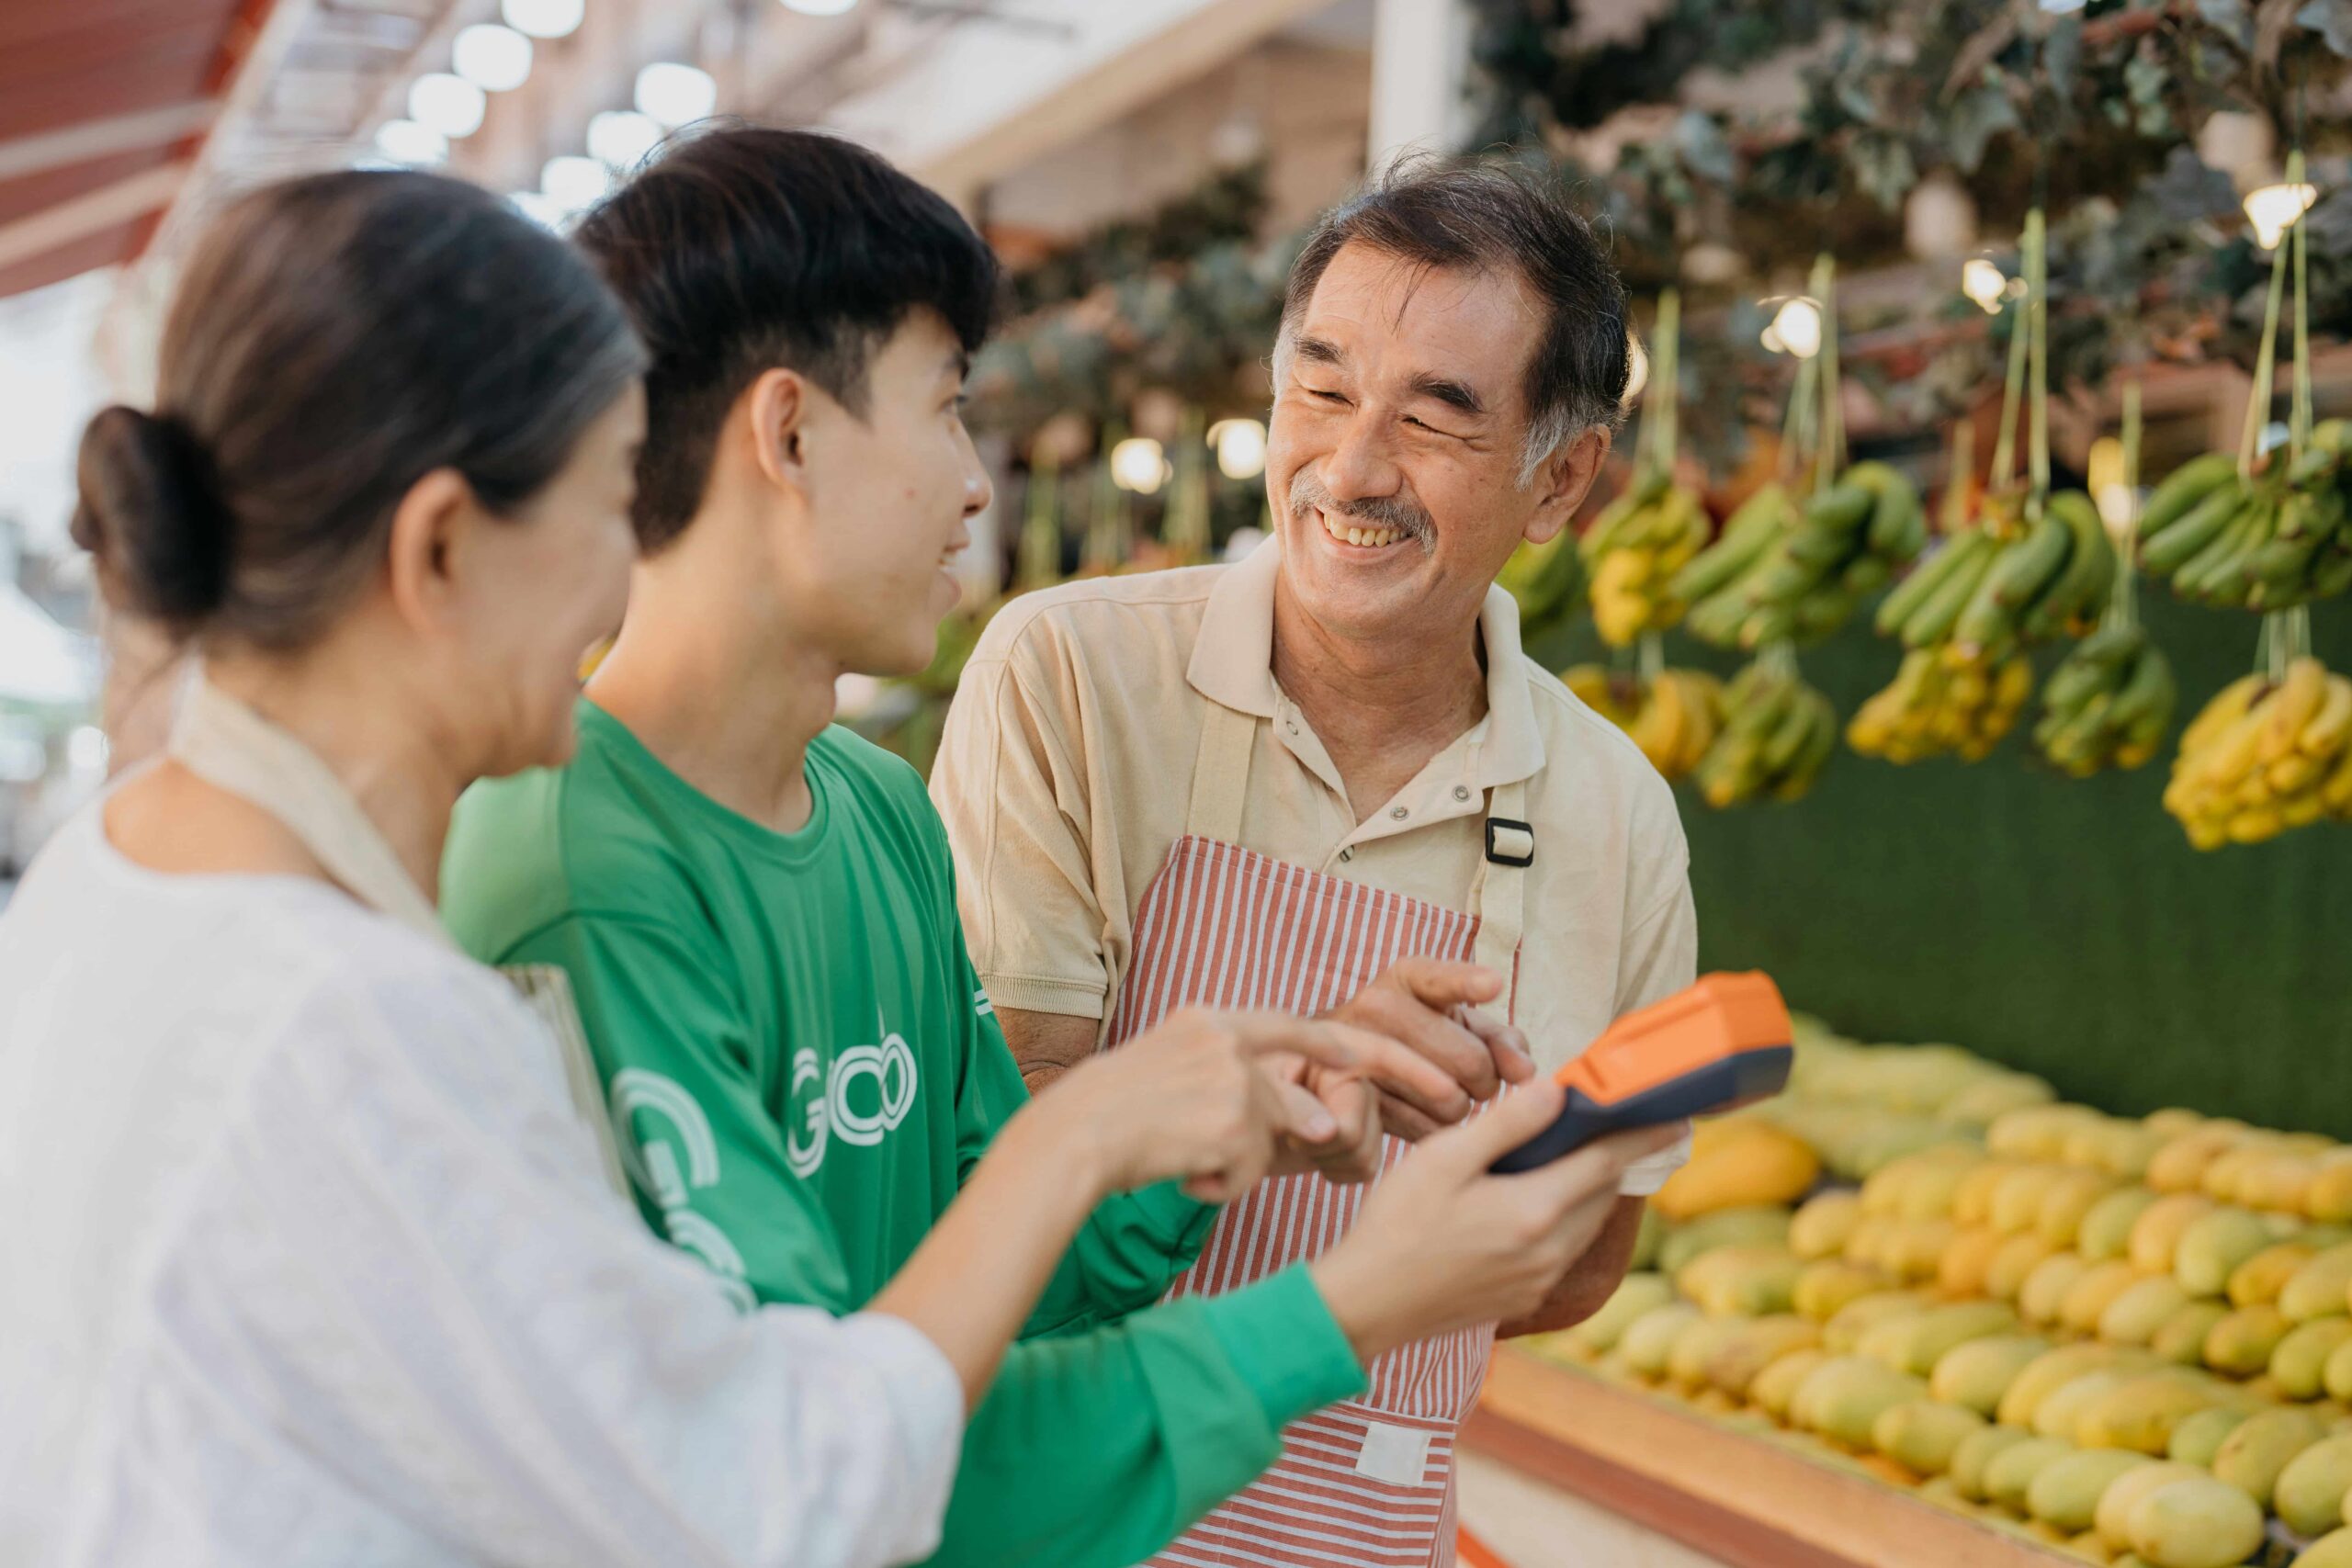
x: 1652, y: 530
x: 1777, y: 733
x: 1937, y: 707
x: 2222, y: 533
x: 1547, y: 580
x: 1786, y: 571
x: 1672, y: 714
x: 2268, y: 754
x: 2110, y: 700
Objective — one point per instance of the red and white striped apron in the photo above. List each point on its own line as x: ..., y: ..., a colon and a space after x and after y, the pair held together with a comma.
x: 1370, y: 1481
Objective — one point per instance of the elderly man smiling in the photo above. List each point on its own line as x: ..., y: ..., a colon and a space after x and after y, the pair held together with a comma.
x: 1327, y: 779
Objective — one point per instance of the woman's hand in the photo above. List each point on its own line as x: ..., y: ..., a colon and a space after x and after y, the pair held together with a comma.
x: 1440, y: 1244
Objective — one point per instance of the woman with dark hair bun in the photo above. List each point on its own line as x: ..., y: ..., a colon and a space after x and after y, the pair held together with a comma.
x: 315, y: 1252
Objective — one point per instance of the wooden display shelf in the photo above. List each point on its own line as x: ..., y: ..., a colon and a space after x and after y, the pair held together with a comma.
x: 1743, y: 1501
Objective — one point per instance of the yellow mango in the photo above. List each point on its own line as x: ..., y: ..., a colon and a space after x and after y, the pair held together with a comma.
x: 2259, y: 1448
x: 2179, y: 1166
x: 1924, y: 1341
x: 2230, y: 1167
x: 2281, y: 1182
x: 2106, y: 1230
x: 2157, y: 1230
x: 2329, y: 1197
x: 1990, y: 1097
x: 1759, y: 1164
x: 2195, y: 1522
x: 1771, y: 1389
x: 1914, y: 1248
x: 2034, y: 1132
x: 1753, y: 1346
x: 1960, y: 1271
x: 2008, y: 1475
x: 1865, y: 1242
x: 2087, y: 1299
x: 2299, y: 1364
x: 2145, y: 1306
x: 1923, y: 1435
x: 2261, y: 1277
x: 2241, y: 1343
x: 2091, y: 1547
x: 2061, y: 1414
x: 2336, y: 1376
x: 1976, y: 1451
x: 1938, y: 1492
x: 2112, y: 1517
x: 2197, y: 1437
x: 2044, y: 1291
x: 1743, y: 1281
x: 2066, y: 1200
x: 1842, y: 1398
x: 1723, y: 1228
x: 2181, y: 1339
x: 2211, y: 1247
x: 2141, y: 1413
x: 1823, y: 1223
x: 1635, y: 1294
x: 1972, y: 1199
x: 2016, y: 1201
x: 1686, y: 1359
x: 1977, y: 1373
x: 2065, y: 1492
x: 2173, y: 1120
x: 2048, y: 1372
x: 2124, y: 1149
x: 1831, y: 1283
x: 2333, y: 1549
x: 2319, y: 1287
x: 2308, y: 1498
x: 1649, y: 1339
x: 2016, y: 1257
x: 1842, y: 1335
x: 1646, y: 1241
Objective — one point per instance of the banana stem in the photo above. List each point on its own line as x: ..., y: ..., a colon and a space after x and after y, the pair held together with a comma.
x: 1796, y: 427
x: 1778, y: 658
x: 2037, y: 294
x: 2300, y: 427
x: 2124, y: 606
x: 2005, y: 445
x: 1833, y: 415
x: 1665, y: 374
x: 1652, y: 661
x: 1959, y: 472
x: 2265, y: 368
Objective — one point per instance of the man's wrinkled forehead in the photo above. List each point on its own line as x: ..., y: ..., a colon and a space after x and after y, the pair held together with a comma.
x: 1458, y: 334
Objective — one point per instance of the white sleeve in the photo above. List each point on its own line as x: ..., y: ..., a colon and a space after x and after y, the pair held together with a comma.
x: 406, y: 1258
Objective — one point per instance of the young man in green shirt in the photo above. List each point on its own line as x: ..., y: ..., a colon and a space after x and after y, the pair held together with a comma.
x: 757, y: 911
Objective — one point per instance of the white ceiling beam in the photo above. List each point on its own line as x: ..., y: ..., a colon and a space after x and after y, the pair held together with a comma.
x: 94, y: 138
x: 53, y: 228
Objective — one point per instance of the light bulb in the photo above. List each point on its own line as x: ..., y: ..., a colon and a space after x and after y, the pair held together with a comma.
x: 1984, y: 282
x: 623, y: 137
x: 2272, y: 209
x: 450, y: 105
x: 675, y: 95
x: 1798, y: 326
x: 574, y: 183
x: 405, y: 141
x: 1139, y: 464
x: 538, y: 209
x: 1240, y: 447
x: 821, y: 7
x: 495, y: 58
x: 544, y: 18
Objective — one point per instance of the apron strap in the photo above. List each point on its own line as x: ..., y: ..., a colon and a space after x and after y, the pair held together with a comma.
x: 1498, y: 896
x: 231, y: 748
x: 1221, y: 774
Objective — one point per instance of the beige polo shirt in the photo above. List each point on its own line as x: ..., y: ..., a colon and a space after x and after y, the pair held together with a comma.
x: 1066, y: 766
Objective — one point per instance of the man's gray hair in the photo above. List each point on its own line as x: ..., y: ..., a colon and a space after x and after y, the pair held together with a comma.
x: 1475, y: 213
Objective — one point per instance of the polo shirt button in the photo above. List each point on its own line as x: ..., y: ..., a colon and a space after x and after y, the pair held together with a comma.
x: 1461, y: 792
x: 1399, y: 813
x: 1347, y: 855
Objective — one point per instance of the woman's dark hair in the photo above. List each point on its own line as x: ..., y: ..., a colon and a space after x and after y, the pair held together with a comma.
x: 745, y: 248
x: 334, y: 340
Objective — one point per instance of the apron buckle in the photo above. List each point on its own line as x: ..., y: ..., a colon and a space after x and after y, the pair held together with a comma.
x: 1509, y: 843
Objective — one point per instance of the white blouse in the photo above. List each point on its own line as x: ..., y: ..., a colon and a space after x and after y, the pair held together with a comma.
x: 304, y: 1259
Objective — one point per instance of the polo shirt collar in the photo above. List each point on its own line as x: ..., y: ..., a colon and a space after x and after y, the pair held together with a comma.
x: 1233, y: 663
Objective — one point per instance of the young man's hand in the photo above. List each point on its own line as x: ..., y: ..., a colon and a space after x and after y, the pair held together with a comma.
x: 1431, y: 1006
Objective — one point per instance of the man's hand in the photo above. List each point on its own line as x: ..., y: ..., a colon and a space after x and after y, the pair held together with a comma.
x: 1431, y: 1007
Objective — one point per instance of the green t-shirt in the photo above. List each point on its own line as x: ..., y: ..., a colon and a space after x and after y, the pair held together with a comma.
x: 803, y: 1069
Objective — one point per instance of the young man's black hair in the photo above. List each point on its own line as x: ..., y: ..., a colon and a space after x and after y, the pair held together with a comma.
x: 746, y: 248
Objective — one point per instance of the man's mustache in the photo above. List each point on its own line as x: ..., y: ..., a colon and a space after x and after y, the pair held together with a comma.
x: 1396, y: 512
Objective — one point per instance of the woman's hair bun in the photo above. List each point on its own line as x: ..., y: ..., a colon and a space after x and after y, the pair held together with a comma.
x: 150, y: 512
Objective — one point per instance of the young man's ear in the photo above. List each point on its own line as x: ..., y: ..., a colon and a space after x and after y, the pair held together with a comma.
x: 778, y: 405
x: 1563, y: 481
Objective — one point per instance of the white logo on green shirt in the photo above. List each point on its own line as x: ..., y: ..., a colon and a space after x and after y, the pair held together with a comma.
x: 653, y: 1165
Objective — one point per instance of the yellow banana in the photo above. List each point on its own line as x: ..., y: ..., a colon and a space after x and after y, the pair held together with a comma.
x: 2291, y: 706
x: 2228, y: 706
x: 2332, y: 726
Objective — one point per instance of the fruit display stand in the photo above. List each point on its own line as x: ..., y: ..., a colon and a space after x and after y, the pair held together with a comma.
x: 1915, y: 1310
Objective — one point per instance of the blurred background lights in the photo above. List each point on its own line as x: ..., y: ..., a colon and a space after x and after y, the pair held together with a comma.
x: 675, y: 95
x: 450, y: 105
x: 544, y: 18
x: 495, y: 58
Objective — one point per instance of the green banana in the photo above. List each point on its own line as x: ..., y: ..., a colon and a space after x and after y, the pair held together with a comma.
x: 1914, y: 590
x: 2082, y: 589
x: 2031, y: 564
x: 2149, y: 690
x: 1788, y: 737
x: 1745, y: 539
x: 1865, y: 575
x: 1932, y: 621
x: 1842, y: 507
x: 2189, y: 580
x: 2165, y: 553
x: 2182, y: 490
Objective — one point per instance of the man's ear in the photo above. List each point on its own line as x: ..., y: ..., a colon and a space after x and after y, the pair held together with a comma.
x: 432, y: 527
x: 1564, y: 479
x: 777, y: 406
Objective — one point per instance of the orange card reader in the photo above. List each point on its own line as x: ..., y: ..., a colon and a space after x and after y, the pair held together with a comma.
x: 1719, y: 1043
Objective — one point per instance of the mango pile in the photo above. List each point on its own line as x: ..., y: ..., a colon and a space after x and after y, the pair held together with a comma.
x: 2129, y: 1338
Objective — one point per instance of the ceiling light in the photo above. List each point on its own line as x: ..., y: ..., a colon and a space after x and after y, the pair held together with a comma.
x: 2273, y: 210
x: 623, y: 137
x: 573, y: 183
x: 1796, y: 329
x: 495, y: 58
x: 544, y: 18
x: 675, y: 95
x: 450, y: 105
x: 405, y: 141
x: 1240, y: 447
